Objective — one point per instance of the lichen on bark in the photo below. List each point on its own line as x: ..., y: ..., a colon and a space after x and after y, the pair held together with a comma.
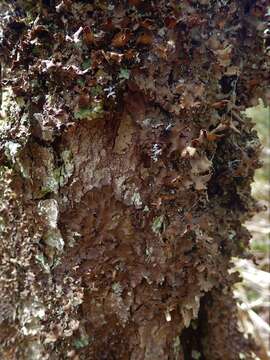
x: 126, y: 164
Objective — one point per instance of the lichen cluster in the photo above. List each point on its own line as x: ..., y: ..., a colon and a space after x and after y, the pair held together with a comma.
x: 126, y: 164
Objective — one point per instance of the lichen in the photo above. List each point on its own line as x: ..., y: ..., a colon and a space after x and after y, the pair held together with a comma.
x: 158, y: 224
x: 136, y: 200
x: 48, y: 209
x: 67, y: 169
x: 100, y: 119
x: 90, y: 113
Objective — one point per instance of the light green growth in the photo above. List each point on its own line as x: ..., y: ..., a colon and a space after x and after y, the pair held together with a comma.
x: 260, y: 114
x: 158, y: 224
x: 231, y: 234
x: 48, y: 209
x: 81, y: 82
x: 12, y: 152
x: 195, y: 354
x: 81, y: 342
x: 96, y: 90
x: 6, y: 100
x: 54, y: 239
x: 117, y: 288
x: 137, y: 200
x: 124, y: 74
x: 146, y: 209
x: 51, y: 186
x: 177, y: 347
x: 43, y: 262
x: 30, y: 315
x: 68, y: 167
x: 86, y: 64
x: 20, y: 101
x: 58, y: 176
x: 242, y: 356
x: 50, y: 183
x: 94, y: 112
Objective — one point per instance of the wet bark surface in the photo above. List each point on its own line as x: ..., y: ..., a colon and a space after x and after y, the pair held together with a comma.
x: 126, y: 165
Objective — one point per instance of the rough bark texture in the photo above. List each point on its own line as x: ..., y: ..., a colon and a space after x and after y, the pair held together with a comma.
x: 126, y: 165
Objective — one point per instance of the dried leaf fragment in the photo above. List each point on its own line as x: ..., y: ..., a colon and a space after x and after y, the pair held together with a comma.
x: 120, y: 39
x: 146, y: 38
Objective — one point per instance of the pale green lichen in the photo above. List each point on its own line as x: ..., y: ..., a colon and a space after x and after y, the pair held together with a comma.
x: 7, y: 101
x: 158, y: 224
x: 30, y: 315
x: 195, y: 355
x: 124, y: 74
x: 43, y: 262
x: 94, y: 112
x: 177, y: 348
x: 96, y: 90
x: 67, y: 169
x: 48, y: 209
x: 137, y: 200
x: 117, y: 288
x: 58, y: 177
x: 54, y: 239
x: 12, y: 152
x: 50, y: 181
x: 81, y: 342
x: 86, y: 64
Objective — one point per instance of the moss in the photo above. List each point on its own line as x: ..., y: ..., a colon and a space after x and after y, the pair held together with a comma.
x: 124, y: 74
x: 94, y: 112
x: 96, y: 90
x: 86, y: 64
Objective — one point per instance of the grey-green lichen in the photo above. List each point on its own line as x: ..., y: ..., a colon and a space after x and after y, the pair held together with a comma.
x: 177, y: 348
x: 12, y: 152
x: 158, y: 224
x: 137, y: 200
x: 66, y: 170
x: 57, y: 177
x: 89, y: 113
x: 52, y: 237
x: 196, y: 355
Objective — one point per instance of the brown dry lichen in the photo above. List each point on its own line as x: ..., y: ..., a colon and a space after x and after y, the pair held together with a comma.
x: 126, y: 166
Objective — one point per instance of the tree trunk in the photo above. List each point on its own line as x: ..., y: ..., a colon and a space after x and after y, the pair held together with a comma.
x: 126, y: 165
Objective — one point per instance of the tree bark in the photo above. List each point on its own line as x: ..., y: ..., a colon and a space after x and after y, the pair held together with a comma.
x: 126, y: 165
